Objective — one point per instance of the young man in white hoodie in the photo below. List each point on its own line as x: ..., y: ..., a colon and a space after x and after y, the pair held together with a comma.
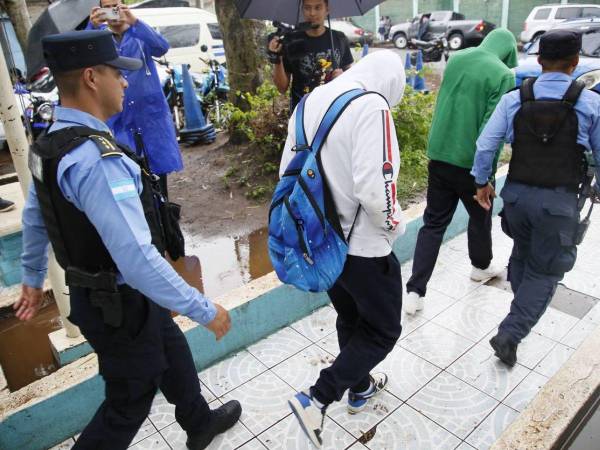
x: 361, y: 161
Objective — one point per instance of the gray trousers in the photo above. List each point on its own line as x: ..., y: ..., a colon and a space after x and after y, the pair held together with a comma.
x: 542, y: 223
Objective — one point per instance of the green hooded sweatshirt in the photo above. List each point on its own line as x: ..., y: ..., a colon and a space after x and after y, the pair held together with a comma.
x: 474, y: 81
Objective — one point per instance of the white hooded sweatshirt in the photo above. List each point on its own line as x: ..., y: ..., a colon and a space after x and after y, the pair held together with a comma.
x: 360, y: 158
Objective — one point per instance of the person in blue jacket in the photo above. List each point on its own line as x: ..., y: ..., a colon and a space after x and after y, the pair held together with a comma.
x: 146, y: 123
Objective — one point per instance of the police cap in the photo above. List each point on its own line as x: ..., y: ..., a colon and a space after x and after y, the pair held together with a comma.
x: 80, y: 49
x: 559, y: 44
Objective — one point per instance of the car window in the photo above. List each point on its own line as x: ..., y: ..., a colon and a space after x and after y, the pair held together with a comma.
x: 457, y: 16
x: 439, y: 16
x: 591, y: 12
x: 215, y: 31
x: 568, y: 13
x: 542, y: 14
x: 179, y: 36
x: 590, y: 45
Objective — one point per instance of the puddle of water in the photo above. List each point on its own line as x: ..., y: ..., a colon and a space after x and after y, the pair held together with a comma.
x: 213, y: 266
x: 25, y: 352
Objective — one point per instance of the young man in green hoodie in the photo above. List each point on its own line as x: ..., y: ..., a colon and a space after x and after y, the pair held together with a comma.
x: 474, y: 81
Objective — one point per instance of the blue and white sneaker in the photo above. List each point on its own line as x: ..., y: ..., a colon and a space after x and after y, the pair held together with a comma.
x: 357, y: 402
x: 310, y: 416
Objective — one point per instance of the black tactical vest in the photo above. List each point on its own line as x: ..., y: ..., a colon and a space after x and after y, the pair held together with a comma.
x: 545, y: 148
x: 75, y: 241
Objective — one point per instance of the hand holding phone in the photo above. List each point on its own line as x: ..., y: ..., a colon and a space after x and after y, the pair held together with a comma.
x: 110, y: 13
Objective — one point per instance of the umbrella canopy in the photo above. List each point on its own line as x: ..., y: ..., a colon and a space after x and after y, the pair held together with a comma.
x: 290, y: 11
x: 60, y: 16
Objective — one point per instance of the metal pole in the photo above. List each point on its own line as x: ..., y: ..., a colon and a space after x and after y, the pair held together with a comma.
x: 19, y: 149
x: 377, y: 15
x: 415, y: 7
x: 505, y: 9
x: 456, y: 5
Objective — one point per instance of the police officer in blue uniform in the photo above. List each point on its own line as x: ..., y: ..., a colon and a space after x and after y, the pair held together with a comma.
x: 553, y: 124
x: 100, y: 207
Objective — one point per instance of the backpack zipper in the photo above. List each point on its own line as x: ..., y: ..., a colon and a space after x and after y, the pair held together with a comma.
x: 300, y: 232
x: 312, y: 201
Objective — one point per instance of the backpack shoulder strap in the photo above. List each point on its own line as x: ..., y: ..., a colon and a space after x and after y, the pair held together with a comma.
x: 527, y: 90
x: 573, y: 92
x: 301, y: 141
x: 333, y: 114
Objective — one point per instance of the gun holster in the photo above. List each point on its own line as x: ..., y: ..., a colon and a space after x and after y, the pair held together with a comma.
x: 104, y: 292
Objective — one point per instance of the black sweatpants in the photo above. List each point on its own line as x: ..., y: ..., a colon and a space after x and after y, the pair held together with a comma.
x: 447, y: 185
x: 148, y: 352
x: 368, y: 300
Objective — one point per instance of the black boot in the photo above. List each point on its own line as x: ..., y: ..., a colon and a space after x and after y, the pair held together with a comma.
x: 221, y: 420
x: 505, y: 349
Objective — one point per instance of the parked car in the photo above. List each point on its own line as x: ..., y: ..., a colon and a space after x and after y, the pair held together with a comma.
x: 187, y: 30
x: 459, y: 31
x: 588, y: 69
x: 354, y: 33
x: 543, y: 18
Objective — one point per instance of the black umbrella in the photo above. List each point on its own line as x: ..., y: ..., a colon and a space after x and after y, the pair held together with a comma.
x: 290, y: 11
x: 60, y: 16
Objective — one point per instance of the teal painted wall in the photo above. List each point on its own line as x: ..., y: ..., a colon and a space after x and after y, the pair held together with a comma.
x: 490, y: 10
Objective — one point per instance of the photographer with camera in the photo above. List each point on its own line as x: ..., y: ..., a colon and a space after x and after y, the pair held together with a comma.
x: 310, y: 55
x: 145, y: 124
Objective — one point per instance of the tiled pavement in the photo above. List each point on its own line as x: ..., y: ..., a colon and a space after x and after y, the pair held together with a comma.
x: 446, y: 390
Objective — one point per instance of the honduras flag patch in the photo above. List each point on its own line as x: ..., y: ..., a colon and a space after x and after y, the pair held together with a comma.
x: 123, y: 189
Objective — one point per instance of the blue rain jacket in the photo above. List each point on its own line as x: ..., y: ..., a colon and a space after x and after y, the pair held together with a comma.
x: 145, y: 108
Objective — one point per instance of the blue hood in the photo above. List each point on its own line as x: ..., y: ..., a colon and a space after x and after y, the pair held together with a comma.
x: 529, y: 67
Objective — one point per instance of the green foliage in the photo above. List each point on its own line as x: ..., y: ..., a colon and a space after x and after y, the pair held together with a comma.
x: 412, y: 118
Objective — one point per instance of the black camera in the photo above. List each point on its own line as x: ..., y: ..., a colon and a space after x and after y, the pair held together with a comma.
x: 292, y: 39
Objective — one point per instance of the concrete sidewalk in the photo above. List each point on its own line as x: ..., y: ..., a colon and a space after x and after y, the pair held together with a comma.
x: 446, y: 391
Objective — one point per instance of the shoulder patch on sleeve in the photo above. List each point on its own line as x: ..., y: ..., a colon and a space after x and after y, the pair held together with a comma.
x: 123, y: 189
x: 106, y: 147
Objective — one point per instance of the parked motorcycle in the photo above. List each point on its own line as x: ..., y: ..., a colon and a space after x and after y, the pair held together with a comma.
x: 433, y: 50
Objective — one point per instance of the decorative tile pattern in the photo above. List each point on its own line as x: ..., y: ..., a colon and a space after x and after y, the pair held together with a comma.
x: 145, y: 430
x: 66, y: 445
x: 525, y: 391
x: 287, y: 435
x: 469, y: 322
x: 436, y: 344
x: 453, y: 404
x: 593, y: 315
x: 406, y: 429
x: 377, y: 409
x: 490, y: 300
x: 318, y: 325
x: 554, y: 360
x: 264, y: 401
x: 481, y: 369
x: 411, y: 322
x: 278, y: 346
x: 162, y: 412
x: 533, y: 349
x: 254, y: 444
x: 232, y: 372
x: 464, y: 446
x: 453, y: 285
x: 407, y: 372
x: 492, y: 427
x: 579, y: 333
x: 154, y: 442
x: 555, y: 324
x: 302, y: 370
x: 330, y: 344
x: 435, y: 302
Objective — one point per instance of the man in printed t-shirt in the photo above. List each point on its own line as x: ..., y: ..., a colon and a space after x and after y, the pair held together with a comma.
x: 315, y: 63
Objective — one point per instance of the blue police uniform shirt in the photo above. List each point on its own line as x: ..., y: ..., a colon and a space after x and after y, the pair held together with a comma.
x: 551, y: 85
x: 107, y: 191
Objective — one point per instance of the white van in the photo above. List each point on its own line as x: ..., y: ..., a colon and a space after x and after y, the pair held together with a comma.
x: 186, y: 30
x: 542, y: 18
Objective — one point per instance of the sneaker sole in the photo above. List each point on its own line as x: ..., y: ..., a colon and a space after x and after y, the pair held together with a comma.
x: 298, y: 411
x: 356, y: 409
x: 8, y: 208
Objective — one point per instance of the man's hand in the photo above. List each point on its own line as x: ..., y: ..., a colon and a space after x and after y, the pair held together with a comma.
x: 29, y: 303
x: 485, y: 195
x: 275, y: 45
x: 221, y: 323
x: 336, y: 73
x: 126, y: 15
x: 97, y: 17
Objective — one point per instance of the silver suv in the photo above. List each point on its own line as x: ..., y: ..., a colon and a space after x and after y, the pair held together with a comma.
x: 542, y: 18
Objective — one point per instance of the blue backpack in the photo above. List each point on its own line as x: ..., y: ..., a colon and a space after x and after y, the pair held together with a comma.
x: 307, y: 246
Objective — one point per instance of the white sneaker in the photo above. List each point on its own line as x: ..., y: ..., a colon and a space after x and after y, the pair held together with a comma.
x: 310, y: 417
x: 485, y: 274
x: 412, y: 303
x: 357, y: 402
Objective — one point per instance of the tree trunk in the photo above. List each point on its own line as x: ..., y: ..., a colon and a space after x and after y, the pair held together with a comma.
x: 19, y: 16
x: 243, y: 49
